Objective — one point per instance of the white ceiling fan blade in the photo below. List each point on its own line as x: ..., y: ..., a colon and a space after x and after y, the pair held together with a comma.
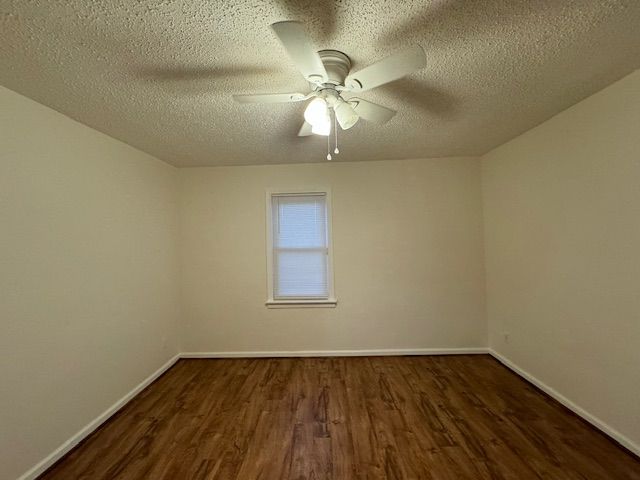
x: 270, y: 98
x: 301, y: 50
x: 371, y: 112
x: 305, y: 130
x: 391, y: 68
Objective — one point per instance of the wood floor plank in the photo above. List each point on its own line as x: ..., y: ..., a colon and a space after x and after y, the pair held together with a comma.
x: 427, y: 418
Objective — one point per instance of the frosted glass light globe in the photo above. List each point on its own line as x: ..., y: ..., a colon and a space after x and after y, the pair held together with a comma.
x: 346, y: 115
x: 323, y: 127
x: 316, y: 112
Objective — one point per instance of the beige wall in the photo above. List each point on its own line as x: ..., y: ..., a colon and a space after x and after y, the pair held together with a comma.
x: 407, y: 238
x: 93, y: 233
x: 562, y: 223
x: 88, y: 271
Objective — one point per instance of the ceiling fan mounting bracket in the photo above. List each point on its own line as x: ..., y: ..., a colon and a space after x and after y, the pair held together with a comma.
x: 337, y: 65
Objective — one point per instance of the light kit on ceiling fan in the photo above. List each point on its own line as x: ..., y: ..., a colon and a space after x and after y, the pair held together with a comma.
x: 346, y: 115
x: 317, y: 115
x: 329, y: 75
x: 322, y: 128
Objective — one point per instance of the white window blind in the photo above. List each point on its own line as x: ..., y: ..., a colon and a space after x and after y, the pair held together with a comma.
x: 300, y: 246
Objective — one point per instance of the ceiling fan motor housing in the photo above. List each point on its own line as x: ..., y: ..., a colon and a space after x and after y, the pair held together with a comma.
x: 337, y: 65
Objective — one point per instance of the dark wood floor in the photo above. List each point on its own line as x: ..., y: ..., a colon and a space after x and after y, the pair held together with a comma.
x: 453, y: 417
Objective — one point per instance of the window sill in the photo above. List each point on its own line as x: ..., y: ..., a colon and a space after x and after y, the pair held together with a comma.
x: 329, y: 303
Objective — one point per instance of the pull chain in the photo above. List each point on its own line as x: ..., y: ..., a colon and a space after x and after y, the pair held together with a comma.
x: 335, y: 128
x: 329, y: 146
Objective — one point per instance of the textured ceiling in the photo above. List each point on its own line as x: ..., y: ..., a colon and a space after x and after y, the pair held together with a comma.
x: 159, y: 74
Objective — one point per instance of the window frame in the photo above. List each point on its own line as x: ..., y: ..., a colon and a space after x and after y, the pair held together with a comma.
x: 299, y: 302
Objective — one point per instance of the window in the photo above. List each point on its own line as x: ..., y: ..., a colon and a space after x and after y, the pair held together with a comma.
x: 299, y: 249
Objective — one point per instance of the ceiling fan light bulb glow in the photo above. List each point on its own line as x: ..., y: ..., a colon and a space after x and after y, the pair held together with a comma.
x: 322, y: 127
x: 316, y: 112
x: 346, y: 115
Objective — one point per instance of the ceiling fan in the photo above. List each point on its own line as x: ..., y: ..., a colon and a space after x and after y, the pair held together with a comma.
x: 329, y: 75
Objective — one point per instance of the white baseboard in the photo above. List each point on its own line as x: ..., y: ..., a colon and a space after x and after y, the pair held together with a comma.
x: 592, y: 419
x: 336, y: 353
x: 63, y: 449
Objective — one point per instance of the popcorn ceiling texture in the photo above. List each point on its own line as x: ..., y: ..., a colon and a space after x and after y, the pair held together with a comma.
x: 159, y: 74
